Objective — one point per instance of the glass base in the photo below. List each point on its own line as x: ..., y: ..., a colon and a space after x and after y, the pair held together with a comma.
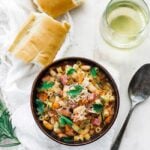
x: 113, y: 43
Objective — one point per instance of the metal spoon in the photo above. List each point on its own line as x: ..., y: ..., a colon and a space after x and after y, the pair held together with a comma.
x: 139, y: 91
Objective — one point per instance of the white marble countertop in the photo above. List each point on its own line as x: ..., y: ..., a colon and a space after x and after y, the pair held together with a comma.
x: 124, y: 63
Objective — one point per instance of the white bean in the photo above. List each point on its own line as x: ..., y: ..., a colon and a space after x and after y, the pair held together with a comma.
x: 85, y: 67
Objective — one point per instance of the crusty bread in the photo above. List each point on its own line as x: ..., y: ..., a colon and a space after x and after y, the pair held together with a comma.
x: 39, y: 39
x: 56, y: 8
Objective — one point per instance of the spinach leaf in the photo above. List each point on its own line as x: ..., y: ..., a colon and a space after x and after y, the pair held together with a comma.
x: 65, y: 121
x: 47, y: 85
x: 71, y: 71
x: 94, y: 71
x: 40, y: 106
x: 76, y: 91
x: 97, y: 108
x: 67, y: 139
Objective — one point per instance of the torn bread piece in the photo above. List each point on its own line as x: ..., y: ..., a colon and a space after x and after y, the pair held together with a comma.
x: 56, y: 8
x: 40, y: 39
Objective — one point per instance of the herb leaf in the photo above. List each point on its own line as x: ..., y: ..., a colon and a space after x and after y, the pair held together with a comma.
x: 7, y: 132
x: 71, y: 71
x: 47, y: 85
x: 65, y: 121
x: 62, y: 122
x: 94, y: 71
x: 40, y: 106
x: 67, y: 139
x: 76, y: 91
x: 6, y: 128
x: 97, y: 108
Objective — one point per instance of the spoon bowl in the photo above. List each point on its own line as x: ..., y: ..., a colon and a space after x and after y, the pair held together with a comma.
x: 139, y: 87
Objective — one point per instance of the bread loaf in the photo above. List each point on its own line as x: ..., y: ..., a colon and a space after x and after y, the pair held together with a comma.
x: 39, y: 39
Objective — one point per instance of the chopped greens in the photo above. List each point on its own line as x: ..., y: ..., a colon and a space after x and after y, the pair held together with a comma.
x: 7, y: 131
x: 97, y: 108
x: 46, y: 85
x: 40, y: 106
x: 94, y: 71
x: 76, y: 91
x: 67, y: 139
x: 71, y: 71
x: 65, y: 121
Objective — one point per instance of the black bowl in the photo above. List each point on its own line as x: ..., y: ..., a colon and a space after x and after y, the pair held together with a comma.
x: 68, y: 61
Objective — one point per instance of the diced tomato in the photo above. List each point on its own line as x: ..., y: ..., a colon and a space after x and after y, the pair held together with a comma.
x: 42, y: 96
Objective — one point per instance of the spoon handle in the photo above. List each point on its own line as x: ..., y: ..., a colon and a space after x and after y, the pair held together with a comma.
x: 117, y: 142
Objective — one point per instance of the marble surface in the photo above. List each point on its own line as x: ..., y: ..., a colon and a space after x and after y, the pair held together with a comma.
x: 122, y: 64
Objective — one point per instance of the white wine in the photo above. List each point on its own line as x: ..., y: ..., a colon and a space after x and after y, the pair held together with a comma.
x: 126, y: 18
x: 125, y: 22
